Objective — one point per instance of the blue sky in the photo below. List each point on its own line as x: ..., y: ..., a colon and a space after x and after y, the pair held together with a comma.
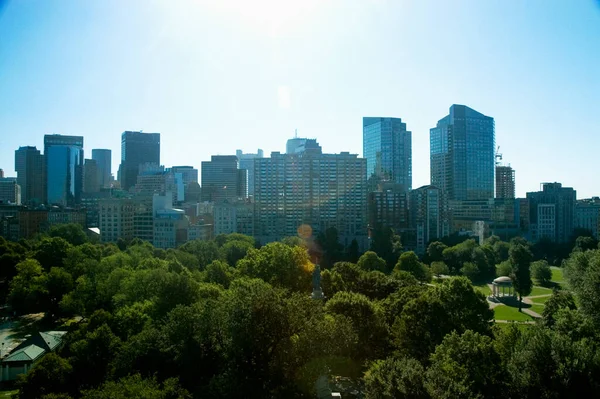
x: 213, y: 77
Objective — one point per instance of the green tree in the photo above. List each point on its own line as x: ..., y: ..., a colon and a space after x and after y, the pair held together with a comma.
x: 435, y: 251
x: 136, y: 387
x: 27, y: 289
x: 520, y: 259
x: 451, y: 306
x: 205, y: 251
x: 505, y: 268
x: 395, y: 378
x: 465, y: 365
x: 386, y: 244
x: 280, y: 265
x: 73, y: 233
x: 58, y: 283
x: 558, y: 300
x: 220, y: 273
x: 52, y: 374
x: 367, y: 318
x: 232, y: 251
x: 470, y: 271
x: 582, y: 271
x: 222, y: 239
x: 51, y: 252
x: 585, y: 243
x: 439, y: 267
x: 541, y: 272
x: 330, y: 246
x: 370, y: 261
x: 409, y: 262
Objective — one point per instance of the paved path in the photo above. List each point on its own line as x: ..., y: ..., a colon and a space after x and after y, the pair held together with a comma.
x: 531, y: 313
x: 538, y: 296
x: 513, y: 321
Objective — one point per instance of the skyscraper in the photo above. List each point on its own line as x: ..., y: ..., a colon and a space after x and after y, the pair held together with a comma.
x: 462, y: 154
x: 91, y: 176
x: 310, y: 189
x: 246, y: 161
x: 387, y: 146
x: 137, y: 148
x: 222, y: 180
x: 103, y: 160
x: 64, y: 169
x: 29, y: 164
x: 505, y: 182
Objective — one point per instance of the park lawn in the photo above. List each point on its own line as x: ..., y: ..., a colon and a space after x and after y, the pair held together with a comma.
x: 8, y: 393
x: 541, y: 299
x: 503, y: 312
x: 540, y: 291
x: 483, y: 288
x: 557, y: 275
x: 537, y: 308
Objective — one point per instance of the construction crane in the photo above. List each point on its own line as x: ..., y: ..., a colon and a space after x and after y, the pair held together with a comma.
x: 498, y: 156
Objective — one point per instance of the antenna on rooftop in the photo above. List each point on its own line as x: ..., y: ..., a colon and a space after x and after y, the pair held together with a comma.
x: 295, y: 133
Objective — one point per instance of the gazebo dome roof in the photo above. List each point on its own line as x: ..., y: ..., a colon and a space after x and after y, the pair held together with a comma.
x: 503, y: 280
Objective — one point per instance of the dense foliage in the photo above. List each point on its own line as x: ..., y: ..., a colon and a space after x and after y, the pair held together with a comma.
x: 229, y: 319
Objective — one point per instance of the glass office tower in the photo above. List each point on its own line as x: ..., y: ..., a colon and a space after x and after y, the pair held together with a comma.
x: 137, y: 148
x: 103, y: 160
x: 387, y: 146
x: 29, y: 164
x: 462, y: 149
x: 64, y: 169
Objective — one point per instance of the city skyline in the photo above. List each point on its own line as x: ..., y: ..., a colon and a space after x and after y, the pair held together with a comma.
x: 532, y: 67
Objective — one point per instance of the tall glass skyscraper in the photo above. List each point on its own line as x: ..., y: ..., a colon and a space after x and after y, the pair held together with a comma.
x: 137, y: 148
x: 387, y: 146
x: 64, y: 169
x: 462, y: 149
x: 103, y: 160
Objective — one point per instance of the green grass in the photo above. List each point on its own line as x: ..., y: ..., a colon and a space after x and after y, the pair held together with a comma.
x: 557, y: 275
x: 540, y: 300
x: 537, y: 308
x: 483, y: 288
x: 8, y: 393
x: 540, y: 291
x: 503, y: 312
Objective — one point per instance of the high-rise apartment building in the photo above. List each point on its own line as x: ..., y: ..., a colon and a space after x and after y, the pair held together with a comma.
x: 64, y: 169
x: 388, y: 207
x: 103, y: 160
x: 462, y: 151
x: 29, y: 164
x: 223, y: 180
x: 293, y: 191
x: 137, y: 148
x: 387, y: 146
x: 246, y: 161
x: 116, y: 219
x: 505, y: 182
x: 552, y: 212
x: 428, y: 215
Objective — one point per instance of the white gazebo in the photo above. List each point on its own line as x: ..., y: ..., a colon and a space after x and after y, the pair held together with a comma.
x: 503, y: 286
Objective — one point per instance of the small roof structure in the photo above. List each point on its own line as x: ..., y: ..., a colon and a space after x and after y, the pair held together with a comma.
x: 27, y: 354
x: 503, y: 280
x: 47, y: 340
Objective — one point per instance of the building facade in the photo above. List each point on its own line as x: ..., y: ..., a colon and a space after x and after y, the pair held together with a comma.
x: 103, y: 160
x: 462, y: 151
x: 246, y: 161
x: 387, y: 146
x: 309, y: 192
x: 587, y: 215
x: 388, y: 208
x: 116, y: 219
x: 429, y: 215
x: 236, y: 217
x: 223, y: 180
x: 552, y: 212
x: 137, y: 148
x: 505, y: 182
x: 91, y: 176
x: 64, y: 169
x: 10, y: 191
x: 29, y: 164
